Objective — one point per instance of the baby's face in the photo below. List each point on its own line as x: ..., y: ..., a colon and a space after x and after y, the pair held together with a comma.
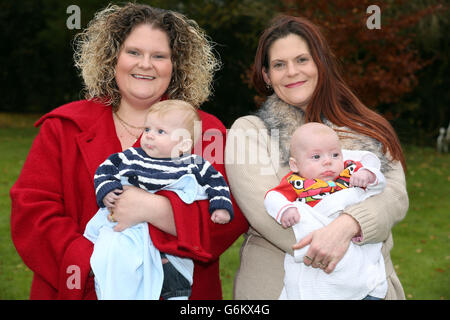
x: 163, y: 137
x: 317, y: 157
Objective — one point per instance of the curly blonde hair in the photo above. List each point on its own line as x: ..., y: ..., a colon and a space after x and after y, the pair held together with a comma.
x: 98, y: 46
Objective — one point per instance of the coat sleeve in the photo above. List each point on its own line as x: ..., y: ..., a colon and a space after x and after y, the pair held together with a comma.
x: 378, y: 214
x: 46, y: 237
x: 198, y: 237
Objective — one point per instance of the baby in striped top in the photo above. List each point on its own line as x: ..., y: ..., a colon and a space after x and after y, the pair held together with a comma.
x: 164, y: 157
x: 126, y: 264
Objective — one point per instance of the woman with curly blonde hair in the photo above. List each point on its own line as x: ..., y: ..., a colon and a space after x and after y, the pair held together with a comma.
x: 98, y: 46
x: 130, y: 57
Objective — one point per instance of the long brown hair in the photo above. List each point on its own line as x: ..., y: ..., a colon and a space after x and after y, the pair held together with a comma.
x: 332, y: 98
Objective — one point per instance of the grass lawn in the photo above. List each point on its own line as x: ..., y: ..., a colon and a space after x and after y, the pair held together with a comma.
x: 421, y: 253
x: 16, y: 136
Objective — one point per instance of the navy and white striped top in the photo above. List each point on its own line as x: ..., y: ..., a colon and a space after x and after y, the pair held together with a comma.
x: 152, y: 174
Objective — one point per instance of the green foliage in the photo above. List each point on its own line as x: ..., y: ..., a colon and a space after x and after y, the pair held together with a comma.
x: 399, y: 70
x: 234, y: 27
x: 423, y: 111
x: 37, y: 71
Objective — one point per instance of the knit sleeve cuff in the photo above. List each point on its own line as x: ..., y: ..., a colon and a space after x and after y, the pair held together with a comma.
x: 221, y: 203
x: 102, y: 191
x: 366, y: 221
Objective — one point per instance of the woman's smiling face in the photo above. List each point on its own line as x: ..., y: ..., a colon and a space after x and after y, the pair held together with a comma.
x: 144, y: 66
x: 292, y: 72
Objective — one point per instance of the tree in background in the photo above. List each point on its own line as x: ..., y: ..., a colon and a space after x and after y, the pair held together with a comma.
x: 401, y: 70
x: 426, y: 108
x: 234, y: 26
x: 382, y: 65
x: 37, y: 69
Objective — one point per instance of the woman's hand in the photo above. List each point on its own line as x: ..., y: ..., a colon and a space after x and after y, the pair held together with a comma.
x: 135, y: 205
x: 329, y: 244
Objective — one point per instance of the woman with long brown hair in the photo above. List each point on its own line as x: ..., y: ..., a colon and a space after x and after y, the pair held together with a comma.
x: 296, y: 70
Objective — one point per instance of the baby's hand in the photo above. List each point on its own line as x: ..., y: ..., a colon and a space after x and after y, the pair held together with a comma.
x: 362, y: 178
x: 290, y: 217
x: 221, y: 216
x: 111, y: 198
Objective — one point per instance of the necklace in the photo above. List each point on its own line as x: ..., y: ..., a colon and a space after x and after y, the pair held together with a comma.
x: 124, y: 125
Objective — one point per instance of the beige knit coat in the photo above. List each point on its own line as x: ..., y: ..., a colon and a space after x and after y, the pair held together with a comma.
x: 256, y: 159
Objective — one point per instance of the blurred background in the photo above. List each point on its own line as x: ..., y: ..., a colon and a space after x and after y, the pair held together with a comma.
x: 400, y: 70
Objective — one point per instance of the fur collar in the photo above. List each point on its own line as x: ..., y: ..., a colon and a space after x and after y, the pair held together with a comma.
x: 280, y: 116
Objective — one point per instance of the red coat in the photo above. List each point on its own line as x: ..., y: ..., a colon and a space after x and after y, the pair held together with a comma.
x: 54, y: 198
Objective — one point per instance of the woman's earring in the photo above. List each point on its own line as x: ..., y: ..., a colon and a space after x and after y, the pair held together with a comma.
x: 268, y: 86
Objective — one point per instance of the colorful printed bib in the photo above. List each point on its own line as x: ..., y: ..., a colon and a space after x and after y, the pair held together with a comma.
x: 311, y: 191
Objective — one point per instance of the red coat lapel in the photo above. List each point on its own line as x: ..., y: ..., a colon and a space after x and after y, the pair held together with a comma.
x: 96, y: 143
